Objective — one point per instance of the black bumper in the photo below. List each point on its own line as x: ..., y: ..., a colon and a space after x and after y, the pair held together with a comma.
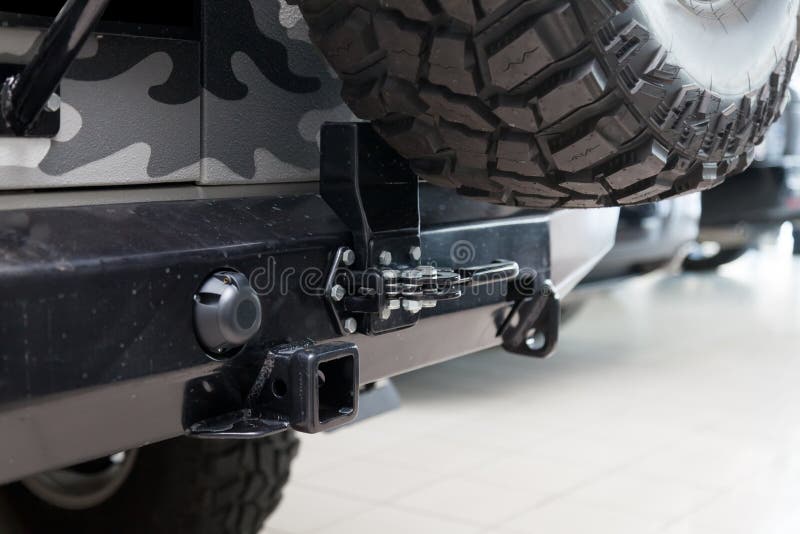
x: 99, y: 351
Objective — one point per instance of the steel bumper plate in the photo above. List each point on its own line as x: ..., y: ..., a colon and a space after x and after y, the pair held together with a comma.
x: 98, y: 348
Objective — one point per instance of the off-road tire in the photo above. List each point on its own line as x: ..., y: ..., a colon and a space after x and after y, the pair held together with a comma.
x: 178, y: 486
x: 553, y: 103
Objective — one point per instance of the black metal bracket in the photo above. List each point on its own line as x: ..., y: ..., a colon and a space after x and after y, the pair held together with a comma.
x: 379, y: 286
x: 48, y: 122
x: 531, y: 327
x: 29, y: 93
x: 375, y: 193
x: 308, y: 387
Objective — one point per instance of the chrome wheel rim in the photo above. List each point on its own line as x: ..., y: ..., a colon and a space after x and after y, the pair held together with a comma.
x: 83, y: 486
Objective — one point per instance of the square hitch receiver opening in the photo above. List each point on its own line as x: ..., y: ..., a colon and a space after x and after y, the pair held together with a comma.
x: 335, y: 388
x: 308, y: 387
x: 323, y: 385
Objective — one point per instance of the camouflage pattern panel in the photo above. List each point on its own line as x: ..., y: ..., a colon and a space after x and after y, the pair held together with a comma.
x: 136, y: 109
x: 130, y: 114
x: 266, y: 92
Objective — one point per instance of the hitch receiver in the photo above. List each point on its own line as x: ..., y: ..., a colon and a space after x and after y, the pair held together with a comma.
x: 310, y: 388
x: 322, y: 388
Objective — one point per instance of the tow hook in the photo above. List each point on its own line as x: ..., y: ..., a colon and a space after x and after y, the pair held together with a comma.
x: 308, y: 387
x: 531, y: 327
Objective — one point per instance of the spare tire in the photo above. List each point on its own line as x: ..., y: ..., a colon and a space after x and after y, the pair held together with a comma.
x: 548, y: 103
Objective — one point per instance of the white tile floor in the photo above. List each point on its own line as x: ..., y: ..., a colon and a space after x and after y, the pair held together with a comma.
x: 672, y: 406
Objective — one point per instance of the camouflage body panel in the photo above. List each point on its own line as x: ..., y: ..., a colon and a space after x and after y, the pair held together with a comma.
x: 241, y: 105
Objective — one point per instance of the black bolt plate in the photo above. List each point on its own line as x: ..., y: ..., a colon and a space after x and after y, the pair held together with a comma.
x: 375, y: 193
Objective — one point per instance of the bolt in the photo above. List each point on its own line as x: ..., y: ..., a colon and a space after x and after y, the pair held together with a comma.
x: 427, y: 271
x: 337, y: 292
x: 385, y: 257
x: 415, y: 253
x: 386, y: 312
x: 389, y: 275
x: 428, y: 303
x: 412, y: 306
x: 394, y: 304
x: 53, y: 103
x: 411, y: 274
x: 348, y: 257
x: 350, y: 325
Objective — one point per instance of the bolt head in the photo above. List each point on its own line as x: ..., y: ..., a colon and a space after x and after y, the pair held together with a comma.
x: 427, y: 270
x: 348, y: 257
x: 337, y: 292
x: 412, y: 306
x: 386, y: 312
x: 53, y: 103
x: 385, y: 257
x: 394, y: 304
x: 415, y: 253
x: 428, y: 303
x: 411, y: 274
x: 350, y: 325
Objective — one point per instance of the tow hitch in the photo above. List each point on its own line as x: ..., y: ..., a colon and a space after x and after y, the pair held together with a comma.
x: 307, y: 387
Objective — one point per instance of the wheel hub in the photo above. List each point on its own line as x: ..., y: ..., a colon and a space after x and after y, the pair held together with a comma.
x: 85, y: 485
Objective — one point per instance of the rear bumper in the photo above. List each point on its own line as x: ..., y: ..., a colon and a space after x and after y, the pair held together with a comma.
x: 99, y: 351
x: 646, y: 242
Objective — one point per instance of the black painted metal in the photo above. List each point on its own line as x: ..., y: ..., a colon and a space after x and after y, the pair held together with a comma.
x: 98, y: 348
x: 375, y: 193
x: 531, y: 328
x: 372, y: 189
x: 24, y: 95
x: 308, y: 387
x: 48, y: 122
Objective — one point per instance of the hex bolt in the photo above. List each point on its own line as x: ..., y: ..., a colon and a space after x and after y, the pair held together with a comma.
x: 428, y: 271
x: 411, y: 275
x: 348, y: 257
x: 428, y: 303
x: 350, y: 325
x: 394, y: 304
x: 415, y: 253
x: 389, y: 275
x: 385, y: 257
x: 412, y: 306
x: 337, y: 292
x: 53, y: 103
x: 386, y: 312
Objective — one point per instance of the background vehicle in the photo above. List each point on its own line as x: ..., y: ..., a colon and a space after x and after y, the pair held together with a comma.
x: 756, y: 202
x: 649, y: 237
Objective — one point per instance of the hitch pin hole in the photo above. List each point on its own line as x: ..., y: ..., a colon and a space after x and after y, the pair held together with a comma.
x: 535, y: 339
x: 279, y: 388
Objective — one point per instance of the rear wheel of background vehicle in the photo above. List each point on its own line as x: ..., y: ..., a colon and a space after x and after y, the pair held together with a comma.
x: 699, y: 262
x: 555, y: 103
x: 177, y: 486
